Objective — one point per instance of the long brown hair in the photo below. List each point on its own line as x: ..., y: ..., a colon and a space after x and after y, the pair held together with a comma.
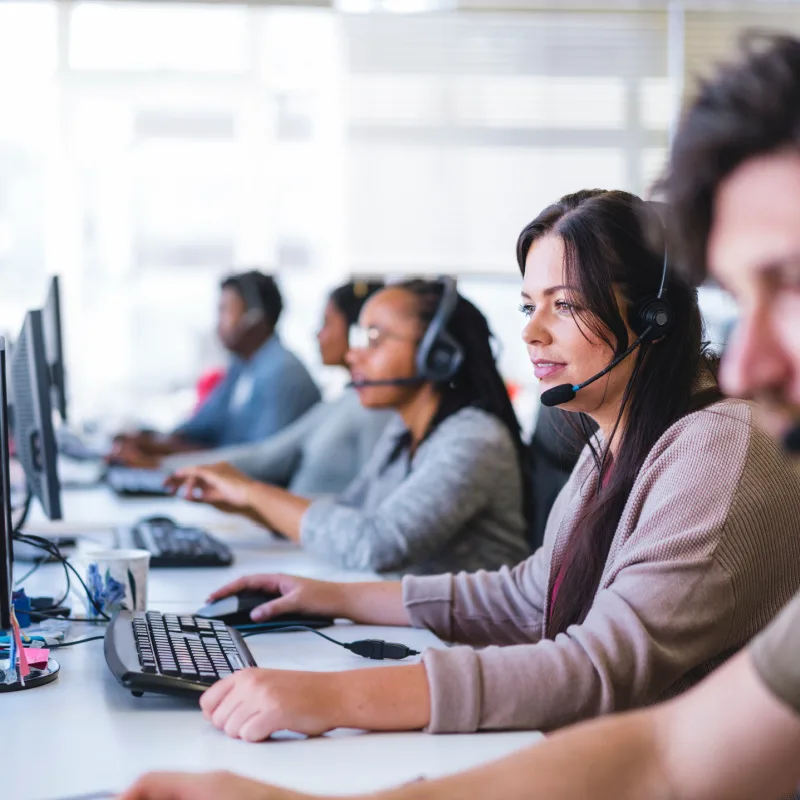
x: 607, y: 240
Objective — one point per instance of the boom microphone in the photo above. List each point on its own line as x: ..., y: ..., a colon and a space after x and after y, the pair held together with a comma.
x: 386, y: 382
x: 565, y: 392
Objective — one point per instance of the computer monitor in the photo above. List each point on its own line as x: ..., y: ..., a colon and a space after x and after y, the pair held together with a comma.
x: 34, y: 438
x: 6, y: 530
x: 54, y: 348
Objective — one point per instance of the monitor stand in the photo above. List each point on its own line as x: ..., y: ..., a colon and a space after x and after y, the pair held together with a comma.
x: 37, y: 677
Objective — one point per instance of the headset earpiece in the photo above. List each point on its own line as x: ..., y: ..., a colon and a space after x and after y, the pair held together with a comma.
x: 443, y: 360
x: 654, y: 316
x: 440, y: 356
x: 252, y: 300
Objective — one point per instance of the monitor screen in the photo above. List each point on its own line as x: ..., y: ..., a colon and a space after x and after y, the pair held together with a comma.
x: 54, y: 348
x: 5, y: 501
x: 34, y: 438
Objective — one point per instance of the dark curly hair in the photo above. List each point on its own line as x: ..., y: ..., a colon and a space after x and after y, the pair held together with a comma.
x: 748, y: 108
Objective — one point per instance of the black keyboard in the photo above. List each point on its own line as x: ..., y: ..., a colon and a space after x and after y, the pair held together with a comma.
x: 172, y: 653
x: 137, y: 482
x: 172, y: 545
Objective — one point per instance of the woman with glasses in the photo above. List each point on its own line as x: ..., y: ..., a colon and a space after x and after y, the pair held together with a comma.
x: 444, y: 489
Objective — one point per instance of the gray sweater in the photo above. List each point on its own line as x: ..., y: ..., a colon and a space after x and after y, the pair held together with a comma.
x: 318, y: 454
x: 456, y: 505
x: 705, y: 553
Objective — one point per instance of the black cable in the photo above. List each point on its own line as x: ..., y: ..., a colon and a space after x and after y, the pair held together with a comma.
x: 31, y: 571
x: 26, y: 507
x: 35, y: 615
x: 376, y: 649
x: 43, y: 646
x: 75, y: 641
x: 52, y: 548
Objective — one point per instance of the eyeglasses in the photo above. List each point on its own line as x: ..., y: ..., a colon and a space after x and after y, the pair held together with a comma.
x: 368, y: 338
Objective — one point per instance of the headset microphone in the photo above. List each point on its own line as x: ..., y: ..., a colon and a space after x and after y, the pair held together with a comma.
x: 652, y: 320
x: 386, y: 382
x: 565, y: 392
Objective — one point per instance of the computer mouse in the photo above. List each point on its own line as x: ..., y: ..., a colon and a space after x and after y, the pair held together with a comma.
x: 159, y: 519
x: 235, y: 610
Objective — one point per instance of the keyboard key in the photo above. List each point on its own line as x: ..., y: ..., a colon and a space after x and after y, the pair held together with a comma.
x: 195, y: 649
x: 235, y: 661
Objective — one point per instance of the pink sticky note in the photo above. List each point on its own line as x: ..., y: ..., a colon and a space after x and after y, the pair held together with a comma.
x: 37, y: 656
x: 24, y: 669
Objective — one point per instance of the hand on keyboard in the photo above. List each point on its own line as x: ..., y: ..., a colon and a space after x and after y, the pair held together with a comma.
x: 213, y: 483
x: 128, y: 454
x: 255, y: 703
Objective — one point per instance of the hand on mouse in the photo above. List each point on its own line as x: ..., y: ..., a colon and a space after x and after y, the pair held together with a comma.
x: 204, y: 786
x: 217, y: 484
x: 293, y: 595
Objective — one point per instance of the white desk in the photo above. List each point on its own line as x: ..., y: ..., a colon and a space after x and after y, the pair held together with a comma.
x: 84, y: 732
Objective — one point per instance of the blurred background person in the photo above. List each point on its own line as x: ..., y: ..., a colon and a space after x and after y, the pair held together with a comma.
x: 265, y: 388
x: 445, y: 487
x: 322, y: 451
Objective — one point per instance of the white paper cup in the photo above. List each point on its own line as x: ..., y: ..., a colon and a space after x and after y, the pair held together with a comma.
x: 116, y: 579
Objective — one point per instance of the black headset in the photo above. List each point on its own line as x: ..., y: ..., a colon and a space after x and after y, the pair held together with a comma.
x: 248, y: 289
x: 439, y: 355
x: 652, y: 319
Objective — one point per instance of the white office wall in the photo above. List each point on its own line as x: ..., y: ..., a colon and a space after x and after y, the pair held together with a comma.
x: 148, y: 148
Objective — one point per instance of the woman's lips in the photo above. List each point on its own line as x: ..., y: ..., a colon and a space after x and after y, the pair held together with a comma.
x: 545, y: 369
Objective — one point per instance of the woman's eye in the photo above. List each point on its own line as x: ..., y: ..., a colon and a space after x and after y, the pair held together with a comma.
x: 527, y: 310
x: 563, y: 307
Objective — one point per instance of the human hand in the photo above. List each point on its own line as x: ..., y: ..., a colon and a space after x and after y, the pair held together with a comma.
x: 129, y: 453
x: 219, y: 484
x: 294, y: 595
x: 204, y: 786
x: 255, y: 703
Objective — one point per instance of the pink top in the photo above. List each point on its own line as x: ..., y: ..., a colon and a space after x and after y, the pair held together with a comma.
x: 568, y: 556
x: 705, y: 554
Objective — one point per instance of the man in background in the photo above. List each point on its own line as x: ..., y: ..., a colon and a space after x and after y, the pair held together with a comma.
x: 266, y: 386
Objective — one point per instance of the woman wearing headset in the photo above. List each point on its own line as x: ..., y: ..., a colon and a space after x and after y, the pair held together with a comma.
x: 443, y: 489
x: 672, y: 544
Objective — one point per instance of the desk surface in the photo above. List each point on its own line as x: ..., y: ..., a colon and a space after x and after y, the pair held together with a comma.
x: 85, y: 733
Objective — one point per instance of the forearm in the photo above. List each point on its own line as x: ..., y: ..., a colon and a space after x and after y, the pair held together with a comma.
x: 610, y: 759
x: 385, y: 699
x: 278, y: 509
x: 168, y: 444
x: 374, y: 603
x: 701, y: 746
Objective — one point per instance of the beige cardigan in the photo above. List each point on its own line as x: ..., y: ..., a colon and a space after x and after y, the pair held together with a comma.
x: 706, y: 552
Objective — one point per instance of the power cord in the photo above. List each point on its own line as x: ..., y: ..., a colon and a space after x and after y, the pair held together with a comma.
x: 376, y: 649
x: 30, y: 572
x: 36, y: 615
x: 52, y: 548
x: 75, y: 641
x: 26, y: 507
x: 3, y: 647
